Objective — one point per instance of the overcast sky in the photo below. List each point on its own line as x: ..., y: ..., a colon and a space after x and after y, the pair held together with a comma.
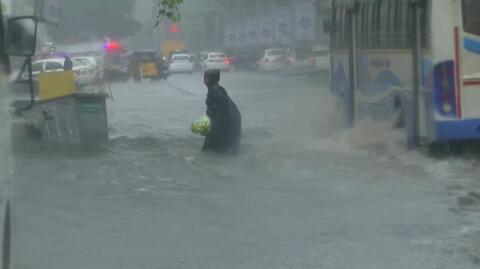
x: 143, y: 11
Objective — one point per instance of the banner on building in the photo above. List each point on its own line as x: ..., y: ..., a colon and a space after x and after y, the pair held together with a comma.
x: 283, y: 26
x: 241, y: 30
x: 230, y: 35
x: 252, y: 31
x: 304, y: 21
x: 266, y: 29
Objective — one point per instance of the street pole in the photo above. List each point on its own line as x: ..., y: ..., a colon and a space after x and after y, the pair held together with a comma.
x: 417, y: 69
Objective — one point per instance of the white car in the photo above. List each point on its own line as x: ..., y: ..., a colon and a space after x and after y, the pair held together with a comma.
x: 322, y: 58
x: 82, y: 72
x: 94, y: 65
x: 181, y: 63
x: 272, y: 60
x: 300, y: 61
x: 216, y: 60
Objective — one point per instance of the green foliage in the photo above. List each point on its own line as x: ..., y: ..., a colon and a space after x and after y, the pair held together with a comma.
x: 168, y: 9
x: 83, y: 19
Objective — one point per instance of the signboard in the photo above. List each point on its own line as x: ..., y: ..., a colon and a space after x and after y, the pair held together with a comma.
x: 252, y: 31
x: 48, y: 10
x: 283, y: 26
x: 266, y: 29
x: 304, y: 21
x: 56, y: 84
x: 241, y: 30
x: 6, y: 6
x: 230, y: 35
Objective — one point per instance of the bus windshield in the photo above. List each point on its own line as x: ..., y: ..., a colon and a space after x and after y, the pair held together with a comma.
x: 471, y: 16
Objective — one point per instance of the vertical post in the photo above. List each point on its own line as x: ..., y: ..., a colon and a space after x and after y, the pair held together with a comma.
x: 417, y: 70
x: 352, y: 64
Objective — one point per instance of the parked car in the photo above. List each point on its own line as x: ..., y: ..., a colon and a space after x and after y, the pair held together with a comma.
x: 322, y: 58
x: 116, y: 66
x: 216, y: 60
x: 181, y: 63
x: 272, y: 60
x: 82, y: 75
x: 247, y: 59
x: 94, y: 65
x: 299, y: 61
x: 196, y: 60
x: 232, y: 57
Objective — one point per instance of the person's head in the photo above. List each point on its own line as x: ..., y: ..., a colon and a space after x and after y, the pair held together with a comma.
x: 211, y: 77
x: 67, y: 57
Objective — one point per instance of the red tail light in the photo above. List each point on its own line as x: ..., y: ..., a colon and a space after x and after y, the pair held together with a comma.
x: 226, y: 61
x: 444, y: 89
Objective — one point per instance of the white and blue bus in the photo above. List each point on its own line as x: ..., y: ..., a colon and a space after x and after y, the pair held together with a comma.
x: 416, y: 61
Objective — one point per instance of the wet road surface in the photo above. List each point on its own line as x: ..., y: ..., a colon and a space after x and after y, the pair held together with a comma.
x: 300, y: 195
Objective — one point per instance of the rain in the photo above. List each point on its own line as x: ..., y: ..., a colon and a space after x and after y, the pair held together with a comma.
x: 341, y: 134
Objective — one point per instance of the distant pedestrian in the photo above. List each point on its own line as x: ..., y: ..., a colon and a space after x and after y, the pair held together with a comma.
x: 67, y: 64
x: 225, y: 117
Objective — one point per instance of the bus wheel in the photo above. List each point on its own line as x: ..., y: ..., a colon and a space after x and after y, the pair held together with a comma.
x: 399, y: 115
x: 7, y: 238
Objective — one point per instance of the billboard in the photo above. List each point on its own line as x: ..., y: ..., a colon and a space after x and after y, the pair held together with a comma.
x: 230, y: 38
x: 266, y: 29
x: 283, y: 26
x: 304, y: 21
x: 48, y: 10
x: 252, y: 31
x: 241, y: 30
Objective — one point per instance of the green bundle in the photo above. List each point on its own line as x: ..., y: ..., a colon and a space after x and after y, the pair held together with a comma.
x: 202, y: 126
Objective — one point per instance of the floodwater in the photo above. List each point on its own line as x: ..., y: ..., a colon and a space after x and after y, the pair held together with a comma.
x: 301, y: 194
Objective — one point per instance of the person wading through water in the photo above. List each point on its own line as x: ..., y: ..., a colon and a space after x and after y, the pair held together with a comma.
x: 226, y: 119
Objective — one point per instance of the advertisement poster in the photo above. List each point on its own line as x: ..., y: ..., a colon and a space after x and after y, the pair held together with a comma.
x: 241, y: 31
x: 266, y: 29
x: 304, y: 21
x: 283, y: 26
x: 252, y: 32
x: 230, y: 35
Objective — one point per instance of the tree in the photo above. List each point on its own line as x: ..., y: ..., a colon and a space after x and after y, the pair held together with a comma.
x: 168, y: 9
x: 82, y: 20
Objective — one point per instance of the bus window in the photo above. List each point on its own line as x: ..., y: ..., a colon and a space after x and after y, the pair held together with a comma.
x: 358, y: 24
x: 424, y: 25
x: 373, y: 26
x: 378, y: 23
x: 384, y: 23
x: 408, y: 24
x: 336, y: 26
x: 404, y: 30
x: 389, y: 23
x: 343, y: 11
x: 471, y: 16
x: 362, y: 32
x: 396, y: 23
x: 366, y: 18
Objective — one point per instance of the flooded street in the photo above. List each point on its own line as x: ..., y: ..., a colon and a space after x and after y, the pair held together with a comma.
x: 301, y: 194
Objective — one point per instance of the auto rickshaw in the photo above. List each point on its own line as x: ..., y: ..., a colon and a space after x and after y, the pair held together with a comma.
x: 146, y: 61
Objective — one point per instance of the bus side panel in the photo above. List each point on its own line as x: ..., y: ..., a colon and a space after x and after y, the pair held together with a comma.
x: 451, y: 44
x: 385, y: 85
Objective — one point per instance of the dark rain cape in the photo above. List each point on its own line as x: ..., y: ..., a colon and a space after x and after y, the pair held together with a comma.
x: 225, y: 116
